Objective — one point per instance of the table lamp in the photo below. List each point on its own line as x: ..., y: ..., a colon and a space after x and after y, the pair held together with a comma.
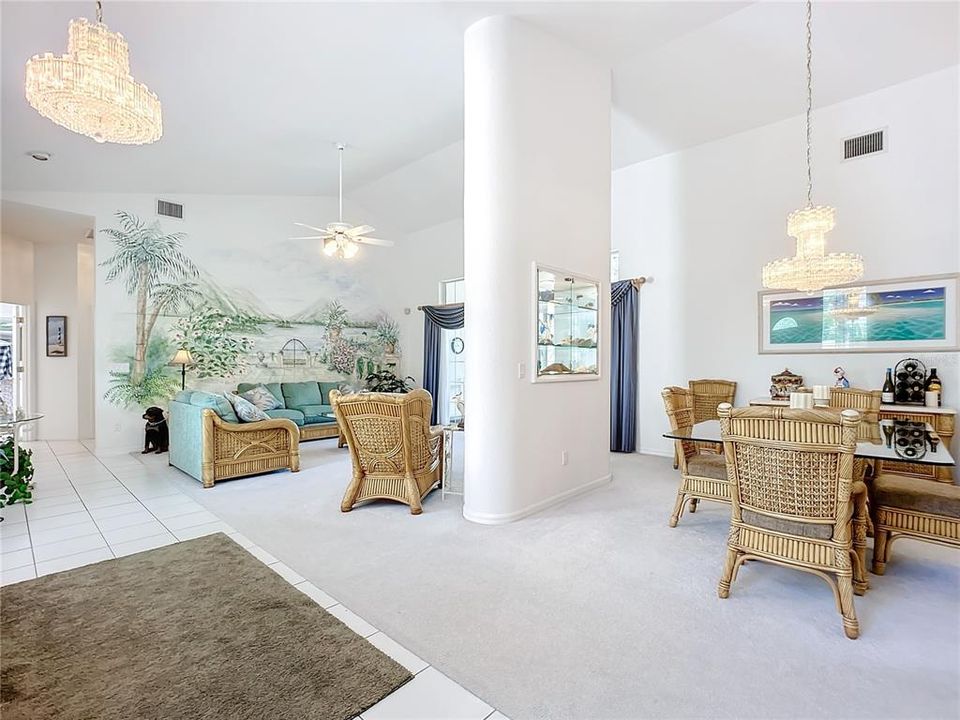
x: 182, y: 358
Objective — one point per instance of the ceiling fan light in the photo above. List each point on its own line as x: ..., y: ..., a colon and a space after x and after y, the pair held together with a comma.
x: 350, y: 249
x: 330, y: 247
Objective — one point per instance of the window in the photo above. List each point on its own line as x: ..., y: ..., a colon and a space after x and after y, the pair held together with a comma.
x: 614, y: 265
x: 453, y: 354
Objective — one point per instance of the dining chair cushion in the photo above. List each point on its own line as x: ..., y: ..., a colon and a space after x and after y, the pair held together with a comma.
x: 819, y: 531
x: 918, y: 494
x: 711, y: 465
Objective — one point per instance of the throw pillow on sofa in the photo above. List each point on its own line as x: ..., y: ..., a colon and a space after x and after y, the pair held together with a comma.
x: 246, y: 410
x: 262, y: 398
x: 298, y: 394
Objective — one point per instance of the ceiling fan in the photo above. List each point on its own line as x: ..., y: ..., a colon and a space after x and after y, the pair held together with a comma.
x: 342, y: 239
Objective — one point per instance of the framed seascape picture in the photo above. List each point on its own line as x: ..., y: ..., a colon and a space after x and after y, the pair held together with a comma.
x: 56, y: 335
x: 916, y: 314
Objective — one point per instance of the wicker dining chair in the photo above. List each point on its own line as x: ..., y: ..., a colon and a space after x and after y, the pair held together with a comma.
x: 865, y: 401
x: 706, y: 396
x: 791, y: 479
x: 703, y: 475
x: 395, y: 453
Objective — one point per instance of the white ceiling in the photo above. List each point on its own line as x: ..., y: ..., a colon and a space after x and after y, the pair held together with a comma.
x: 43, y: 225
x: 256, y: 94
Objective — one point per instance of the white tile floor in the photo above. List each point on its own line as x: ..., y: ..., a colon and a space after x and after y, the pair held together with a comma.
x: 89, y: 508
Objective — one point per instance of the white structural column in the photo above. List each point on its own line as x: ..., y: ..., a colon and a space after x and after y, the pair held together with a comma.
x: 536, y: 189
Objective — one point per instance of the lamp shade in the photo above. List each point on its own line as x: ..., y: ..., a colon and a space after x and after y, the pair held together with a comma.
x: 182, y: 357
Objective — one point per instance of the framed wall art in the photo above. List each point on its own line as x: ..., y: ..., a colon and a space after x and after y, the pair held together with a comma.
x: 56, y: 335
x: 917, y: 314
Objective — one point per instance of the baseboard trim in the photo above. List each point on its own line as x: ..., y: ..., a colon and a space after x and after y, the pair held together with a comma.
x: 659, y: 453
x: 503, y: 518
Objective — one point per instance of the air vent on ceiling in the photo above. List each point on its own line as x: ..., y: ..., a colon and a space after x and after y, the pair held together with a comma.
x: 170, y: 209
x: 866, y: 144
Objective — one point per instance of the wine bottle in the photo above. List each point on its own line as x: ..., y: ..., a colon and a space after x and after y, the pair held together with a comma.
x: 934, y: 385
x: 886, y: 394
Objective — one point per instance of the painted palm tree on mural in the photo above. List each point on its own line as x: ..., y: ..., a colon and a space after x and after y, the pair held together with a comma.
x: 155, y: 270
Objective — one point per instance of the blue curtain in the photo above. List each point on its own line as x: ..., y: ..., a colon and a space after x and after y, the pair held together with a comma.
x: 435, y: 319
x: 623, y: 367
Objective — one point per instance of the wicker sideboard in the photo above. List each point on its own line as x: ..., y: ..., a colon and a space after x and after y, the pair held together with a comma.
x: 943, y: 421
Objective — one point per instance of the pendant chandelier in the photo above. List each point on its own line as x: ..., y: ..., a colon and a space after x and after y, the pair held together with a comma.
x: 812, y: 268
x: 90, y: 89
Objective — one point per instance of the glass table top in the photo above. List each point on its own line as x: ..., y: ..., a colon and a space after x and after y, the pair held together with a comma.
x: 10, y: 420
x: 883, y: 440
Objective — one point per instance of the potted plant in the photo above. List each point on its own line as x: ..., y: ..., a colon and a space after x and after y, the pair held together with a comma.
x: 387, y: 333
x: 387, y: 382
x: 15, y: 486
x: 334, y: 317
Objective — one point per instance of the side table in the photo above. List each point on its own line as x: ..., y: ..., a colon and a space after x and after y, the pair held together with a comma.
x: 448, y: 485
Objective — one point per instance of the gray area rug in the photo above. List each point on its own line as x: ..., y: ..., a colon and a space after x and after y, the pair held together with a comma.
x: 199, y: 629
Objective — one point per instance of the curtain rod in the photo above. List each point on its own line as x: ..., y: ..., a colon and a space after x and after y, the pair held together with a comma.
x: 637, y: 282
x: 421, y: 307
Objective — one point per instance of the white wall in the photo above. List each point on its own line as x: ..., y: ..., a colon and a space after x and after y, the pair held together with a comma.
x: 703, y: 221
x: 431, y: 255
x: 536, y: 188
x: 55, y: 277
x: 55, y: 282
x: 16, y: 270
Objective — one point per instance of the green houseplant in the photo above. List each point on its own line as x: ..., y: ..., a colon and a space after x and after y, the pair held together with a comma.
x: 15, y: 486
x: 387, y: 382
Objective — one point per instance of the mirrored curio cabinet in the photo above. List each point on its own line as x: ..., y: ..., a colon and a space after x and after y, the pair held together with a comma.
x: 567, y: 326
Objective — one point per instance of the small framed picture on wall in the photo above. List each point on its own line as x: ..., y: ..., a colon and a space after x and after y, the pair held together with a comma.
x: 56, y: 335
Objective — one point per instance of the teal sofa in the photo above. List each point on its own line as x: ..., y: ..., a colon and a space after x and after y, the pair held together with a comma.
x: 305, y: 403
x: 209, y: 443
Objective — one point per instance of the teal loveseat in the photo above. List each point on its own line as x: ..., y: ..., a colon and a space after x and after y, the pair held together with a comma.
x: 305, y: 403
x: 209, y: 443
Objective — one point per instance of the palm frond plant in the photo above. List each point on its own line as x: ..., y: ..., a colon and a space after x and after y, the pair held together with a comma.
x: 155, y: 386
x: 150, y: 264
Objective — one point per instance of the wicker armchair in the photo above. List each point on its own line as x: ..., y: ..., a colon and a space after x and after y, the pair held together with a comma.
x: 232, y: 450
x: 865, y: 401
x: 703, y: 475
x: 791, y: 477
x: 396, y: 455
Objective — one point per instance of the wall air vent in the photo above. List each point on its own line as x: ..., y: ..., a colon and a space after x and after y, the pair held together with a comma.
x: 866, y: 144
x: 170, y: 209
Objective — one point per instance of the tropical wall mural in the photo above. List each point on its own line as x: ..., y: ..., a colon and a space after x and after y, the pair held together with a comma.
x: 229, y: 332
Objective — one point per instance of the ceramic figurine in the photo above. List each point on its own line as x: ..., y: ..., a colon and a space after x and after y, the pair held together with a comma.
x: 782, y: 384
x: 841, y: 378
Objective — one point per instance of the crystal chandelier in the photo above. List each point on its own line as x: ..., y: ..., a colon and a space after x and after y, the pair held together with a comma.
x: 812, y: 268
x: 90, y: 89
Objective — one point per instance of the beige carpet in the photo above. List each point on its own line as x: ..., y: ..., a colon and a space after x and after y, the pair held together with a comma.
x: 199, y: 629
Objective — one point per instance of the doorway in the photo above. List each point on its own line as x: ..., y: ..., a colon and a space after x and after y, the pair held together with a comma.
x: 13, y: 358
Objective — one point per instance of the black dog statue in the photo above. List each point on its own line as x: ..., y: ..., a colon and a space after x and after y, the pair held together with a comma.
x: 156, y: 436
